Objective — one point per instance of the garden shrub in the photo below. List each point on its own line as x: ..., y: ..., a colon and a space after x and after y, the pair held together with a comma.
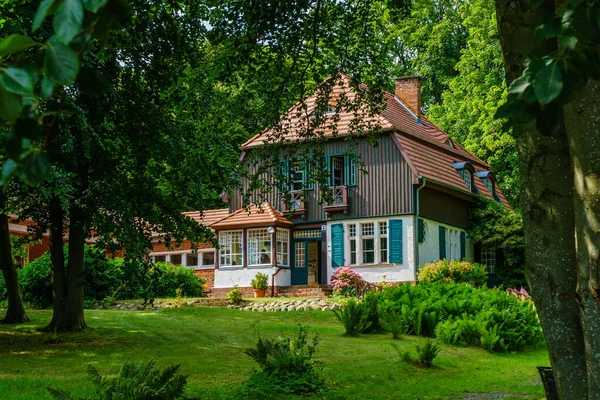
x: 344, y: 282
x: 234, y: 296
x: 354, y: 317
x: 286, y: 365
x: 424, y: 354
x: 370, y: 304
x: 459, y: 314
x: 394, y: 321
x: 140, y: 382
x: 167, y: 278
x: 453, y: 271
x: 106, y: 278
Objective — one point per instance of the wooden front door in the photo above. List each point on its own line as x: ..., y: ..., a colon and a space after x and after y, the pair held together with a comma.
x: 306, y: 265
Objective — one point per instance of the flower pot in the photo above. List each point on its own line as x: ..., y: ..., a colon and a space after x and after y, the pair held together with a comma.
x: 259, y: 293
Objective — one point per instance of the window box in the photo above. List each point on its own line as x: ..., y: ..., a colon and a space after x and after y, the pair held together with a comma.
x: 296, y: 204
x: 339, y: 199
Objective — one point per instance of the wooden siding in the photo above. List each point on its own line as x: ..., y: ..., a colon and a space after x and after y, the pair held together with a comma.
x: 444, y: 207
x: 385, y: 188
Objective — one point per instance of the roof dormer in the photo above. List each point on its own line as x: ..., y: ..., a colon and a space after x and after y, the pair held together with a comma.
x: 466, y: 171
x: 489, y: 181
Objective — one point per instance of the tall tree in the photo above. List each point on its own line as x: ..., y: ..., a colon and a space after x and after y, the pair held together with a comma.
x: 466, y: 111
x: 551, y: 55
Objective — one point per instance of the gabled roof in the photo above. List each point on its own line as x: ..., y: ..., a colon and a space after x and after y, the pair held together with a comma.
x: 254, y: 216
x: 429, y: 151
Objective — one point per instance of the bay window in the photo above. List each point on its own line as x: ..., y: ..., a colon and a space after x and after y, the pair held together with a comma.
x: 230, y: 252
x: 259, y: 247
x: 283, y: 239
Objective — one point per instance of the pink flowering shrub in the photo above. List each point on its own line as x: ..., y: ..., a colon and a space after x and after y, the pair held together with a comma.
x: 521, y: 294
x: 344, y: 282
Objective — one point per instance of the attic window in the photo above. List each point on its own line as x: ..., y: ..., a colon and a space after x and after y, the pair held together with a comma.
x: 466, y: 171
x: 488, y: 180
x: 448, y: 142
x: 467, y: 177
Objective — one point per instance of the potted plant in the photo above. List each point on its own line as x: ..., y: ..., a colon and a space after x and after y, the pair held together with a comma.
x: 260, y: 284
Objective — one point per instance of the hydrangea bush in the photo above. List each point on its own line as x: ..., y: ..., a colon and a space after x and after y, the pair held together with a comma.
x: 344, y: 282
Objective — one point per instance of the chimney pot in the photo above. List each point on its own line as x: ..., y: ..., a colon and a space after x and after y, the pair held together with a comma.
x: 408, y: 91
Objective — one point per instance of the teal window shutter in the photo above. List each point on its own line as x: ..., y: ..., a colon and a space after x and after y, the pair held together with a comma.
x: 395, y: 238
x: 421, y: 230
x: 337, y: 245
x: 463, y: 245
x: 442, y: 242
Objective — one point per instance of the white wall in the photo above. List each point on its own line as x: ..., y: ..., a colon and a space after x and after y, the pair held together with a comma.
x: 230, y: 277
x: 429, y: 250
x: 404, y: 272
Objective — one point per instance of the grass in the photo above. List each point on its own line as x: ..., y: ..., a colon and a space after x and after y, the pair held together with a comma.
x: 208, y: 342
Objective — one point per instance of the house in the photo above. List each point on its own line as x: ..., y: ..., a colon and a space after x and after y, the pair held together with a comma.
x: 391, y: 205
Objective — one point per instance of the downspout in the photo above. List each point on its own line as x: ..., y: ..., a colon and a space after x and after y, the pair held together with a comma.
x: 273, y: 281
x: 416, y: 224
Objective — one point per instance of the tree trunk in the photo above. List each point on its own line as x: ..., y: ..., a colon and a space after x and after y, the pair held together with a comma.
x: 67, y: 313
x: 547, y: 204
x: 15, y: 313
x: 583, y: 132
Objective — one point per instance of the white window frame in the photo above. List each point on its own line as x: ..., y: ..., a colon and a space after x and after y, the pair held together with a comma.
x: 488, y: 258
x: 354, y: 233
x: 366, y: 236
x: 283, y: 237
x: 452, y: 244
x: 467, y: 178
x: 223, y: 247
x: 184, y: 257
x: 250, y: 237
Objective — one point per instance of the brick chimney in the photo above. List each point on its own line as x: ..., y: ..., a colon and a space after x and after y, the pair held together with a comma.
x: 408, y: 91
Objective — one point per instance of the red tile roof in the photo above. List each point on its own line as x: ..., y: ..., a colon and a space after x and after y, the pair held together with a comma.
x: 207, y: 217
x: 422, y: 143
x: 254, y: 216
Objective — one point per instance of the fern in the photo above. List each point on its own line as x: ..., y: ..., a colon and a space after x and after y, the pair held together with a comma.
x: 353, y: 317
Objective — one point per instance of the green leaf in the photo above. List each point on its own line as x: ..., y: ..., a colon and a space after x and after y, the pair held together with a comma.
x: 10, y: 105
x: 504, y: 111
x: 33, y: 167
x: 68, y: 20
x: 548, y: 30
x: 519, y: 86
x: 548, y: 83
x: 15, y: 44
x: 41, y: 14
x: 8, y: 170
x: 61, y: 64
x: 94, y: 5
x: 17, y: 80
x: 48, y: 87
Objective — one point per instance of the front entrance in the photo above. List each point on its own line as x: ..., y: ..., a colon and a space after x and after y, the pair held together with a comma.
x: 306, y: 265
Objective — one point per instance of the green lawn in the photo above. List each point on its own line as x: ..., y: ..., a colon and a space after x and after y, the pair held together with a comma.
x: 209, y: 344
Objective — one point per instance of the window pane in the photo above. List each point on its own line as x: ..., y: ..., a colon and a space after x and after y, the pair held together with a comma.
x: 162, y: 258
x: 299, y: 262
x: 383, y: 229
x: 176, y: 259
x: 383, y: 243
x: 191, y: 260
x: 259, y: 247
x: 208, y: 258
x: 368, y: 229
x: 368, y: 251
x: 337, y: 170
x: 353, y: 251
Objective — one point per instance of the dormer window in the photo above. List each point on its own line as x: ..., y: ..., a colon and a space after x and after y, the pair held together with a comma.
x: 489, y: 180
x: 466, y: 175
x: 466, y: 171
x: 448, y: 143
